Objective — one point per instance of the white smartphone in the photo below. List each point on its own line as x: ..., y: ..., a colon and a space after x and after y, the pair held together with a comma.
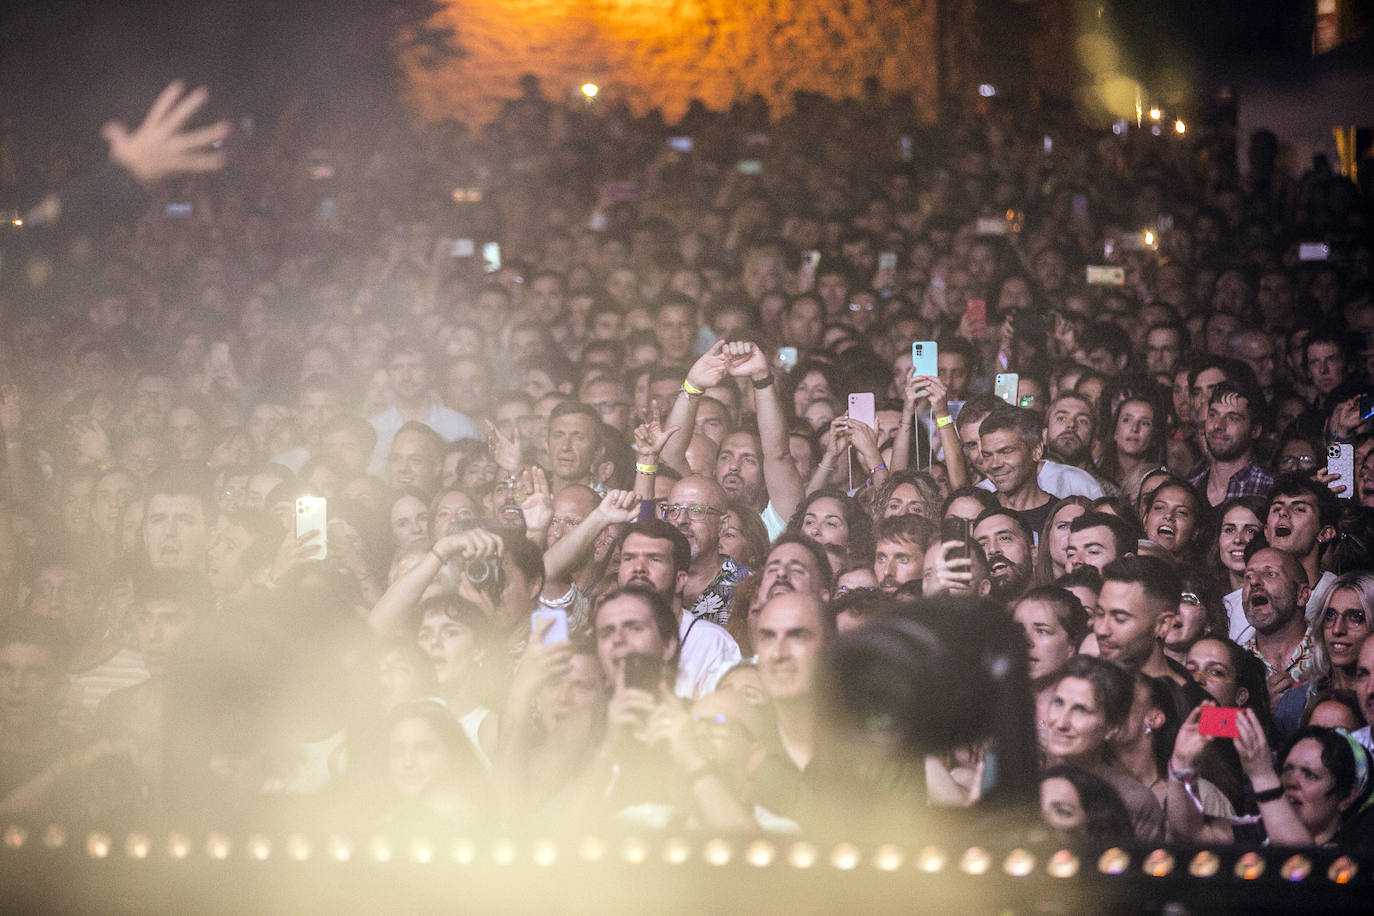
x: 1313, y: 251
x: 861, y: 407
x: 491, y: 257
x: 989, y: 225
x: 925, y: 358
x: 787, y: 358
x: 1099, y: 275
x: 1004, y: 386
x: 310, y: 516
x: 559, y: 631
x: 1340, y: 460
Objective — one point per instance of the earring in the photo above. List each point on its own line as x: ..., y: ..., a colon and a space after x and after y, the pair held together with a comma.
x: 1149, y: 731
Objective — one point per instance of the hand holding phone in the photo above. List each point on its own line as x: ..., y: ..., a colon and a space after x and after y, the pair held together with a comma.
x: 643, y: 672
x: 925, y: 358
x: 310, y: 518
x: 558, y: 631
x: 861, y: 408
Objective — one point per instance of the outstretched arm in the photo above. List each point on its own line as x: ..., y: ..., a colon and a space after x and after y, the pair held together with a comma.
x: 161, y: 145
x: 708, y: 370
x: 563, y: 559
x: 780, y: 475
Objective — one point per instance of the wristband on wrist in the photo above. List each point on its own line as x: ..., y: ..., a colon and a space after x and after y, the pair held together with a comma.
x: 944, y: 421
x: 827, y: 467
x: 1269, y: 795
x: 692, y: 390
x: 649, y: 469
x: 762, y: 383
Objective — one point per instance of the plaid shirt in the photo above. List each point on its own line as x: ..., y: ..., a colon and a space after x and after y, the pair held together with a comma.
x: 1299, y: 665
x: 1251, y: 480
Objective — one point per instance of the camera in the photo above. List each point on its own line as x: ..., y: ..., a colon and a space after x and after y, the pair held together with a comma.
x: 485, y: 574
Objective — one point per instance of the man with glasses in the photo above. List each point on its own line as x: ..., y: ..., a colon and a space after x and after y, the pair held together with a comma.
x: 696, y: 507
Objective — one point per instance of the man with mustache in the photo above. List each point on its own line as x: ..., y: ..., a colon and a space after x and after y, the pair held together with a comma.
x: 1010, y: 552
x: 1231, y: 427
x: 1275, y: 592
x: 796, y: 564
x: 656, y: 556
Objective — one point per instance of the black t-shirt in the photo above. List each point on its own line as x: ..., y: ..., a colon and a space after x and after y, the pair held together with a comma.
x: 1035, y: 518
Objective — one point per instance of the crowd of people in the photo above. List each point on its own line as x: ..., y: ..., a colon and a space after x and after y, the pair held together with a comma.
x: 740, y: 474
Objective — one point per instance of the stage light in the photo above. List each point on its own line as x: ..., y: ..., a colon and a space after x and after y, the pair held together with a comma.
x: 1151, y: 240
x: 137, y: 845
x: 717, y: 852
x: 1155, y: 113
x: 888, y: 857
x: 802, y: 855
x: 1180, y: 128
x: 1158, y: 864
x: 1295, y: 868
x: 1019, y: 863
x: 591, y: 849
x: 15, y: 836
x: 463, y: 851
x: 676, y: 851
x: 590, y: 90
x: 975, y: 861
x: 339, y: 849
x: 1204, y: 865
x: 178, y: 845
x: 98, y: 845
x: 1250, y: 866
x: 760, y: 854
x: 422, y: 851
x: 379, y: 848
x: 298, y: 847
x: 931, y: 859
x: 504, y: 851
x: 1114, y: 861
x: 258, y: 847
x: 1343, y: 870
x: 1063, y: 864
x: 845, y: 856
x: 634, y: 850
x: 54, y: 837
x: 544, y: 852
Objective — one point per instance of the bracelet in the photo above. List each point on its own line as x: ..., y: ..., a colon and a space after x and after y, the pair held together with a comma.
x: 760, y: 384
x: 649, y: 469
x: 1269, y: 795
x: 876, y: 468
x: 692, y: 390
x: 827, y: 467
x: 944, y: 421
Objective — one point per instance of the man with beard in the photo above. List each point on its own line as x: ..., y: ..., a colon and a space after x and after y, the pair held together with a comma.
x: 1070, y: 430
x: 655, y: 555
x: 1364, y: 688
x: 1231, y: 428
x: 409, y: 378
x: 1274, y: 594
x: 900, y: 549
x: 1135, y: 611
x: 696, y: 507
x: 1010, y: 552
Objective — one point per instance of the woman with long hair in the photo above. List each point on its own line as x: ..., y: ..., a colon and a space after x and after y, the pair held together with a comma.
x: 1173, y: 515
x: 1051, y: 555
x: 1136, y: 445
x: 1340, y: 629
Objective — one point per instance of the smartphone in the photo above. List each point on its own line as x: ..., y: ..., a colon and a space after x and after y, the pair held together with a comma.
x: 1004, y: 386
x: 925, y: 358
x: 1340, y: 460
x: 955, y: 530
x: 750, y: 166
x: 1218, y: 721
x: 1307, y: 251
x: 310, y: 516
x: 787, y: 358
x: 887, y: 260
x: 219, y: 353
x: 861, y: 408
x: 1032, y: 324
x: 559, y: 631
x: 179, y: 209
x: 1099, y: 275
x: 976, y: 318
x: 462, y: 248
x: 491, y: 257
x: 907, y: 148
x: 990, y: 225
x: 1047, y: 144
x: 643, y: 672
x: 680, y: 144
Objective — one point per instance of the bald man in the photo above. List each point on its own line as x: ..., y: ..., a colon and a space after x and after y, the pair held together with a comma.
x: 696, y: 507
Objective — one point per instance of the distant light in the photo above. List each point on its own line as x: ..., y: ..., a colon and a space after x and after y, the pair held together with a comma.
x: 1155, y: 113
x: 1155, y: 130
x: 1119, y: 128
x: 1180, y: 127
x: 17, y: 223
x: 590, y: 90
x: 1150, y: 240
x: 987, y: 90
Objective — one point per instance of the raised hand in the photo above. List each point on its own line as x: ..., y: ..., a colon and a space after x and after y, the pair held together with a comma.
x: 161, y: 145
x: 650, y: 436
x: 710, y: 367
x: 618, y: 507
x: 746, y: 360
x: 89, y: 439
x: 1190, y: 743
x: 505, y: 451
x: 473, y: 544
x: 1252, y: 747
x: 538, y: 505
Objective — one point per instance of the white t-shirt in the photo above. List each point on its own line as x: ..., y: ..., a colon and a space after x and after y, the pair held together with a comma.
x: 1060, y: 480
x: 449, y: 424
x: 772, y: 521
x: 708, y: 651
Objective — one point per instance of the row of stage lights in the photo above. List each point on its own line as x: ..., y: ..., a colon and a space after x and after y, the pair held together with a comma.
x: 717, y: 851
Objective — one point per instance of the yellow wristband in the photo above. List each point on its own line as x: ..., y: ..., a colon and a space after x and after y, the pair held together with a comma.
x: 691, y: 389
x: 944, y: 421
x: 646, y: 468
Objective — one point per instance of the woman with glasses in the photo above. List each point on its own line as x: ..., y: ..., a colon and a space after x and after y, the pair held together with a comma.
x: 1341, y: 627
x: 1299, y: 453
